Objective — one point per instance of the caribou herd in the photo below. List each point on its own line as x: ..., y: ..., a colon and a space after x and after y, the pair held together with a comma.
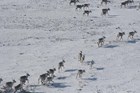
x: 118, y: 37
x: 44, y: 79
x: 48, y: 77
x: 105, y: 11
x: 85, y: 6
x: 8, y: 87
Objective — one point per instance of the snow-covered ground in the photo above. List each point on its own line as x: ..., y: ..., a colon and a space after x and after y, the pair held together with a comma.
x: 35, y: 35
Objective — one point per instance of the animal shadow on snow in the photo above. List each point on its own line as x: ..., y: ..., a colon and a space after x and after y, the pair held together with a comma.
x: 62, y: 78
x: 100, y: 68
x: 59, y: 85
x: 94, y: 17
x: 34, y: 85
x: 111, y: 46
x: 132, y: 7
x: 133, y: 41
x: 91, y: 78
x: 28, y: 92
x: 112, y: 16
x: 70, y: 70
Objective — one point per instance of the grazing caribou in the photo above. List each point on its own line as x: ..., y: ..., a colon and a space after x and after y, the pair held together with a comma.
x: 101, y: 41
x: 61, y: 65
x: 86, y: 5
x: 87, y: 12
x: 82, y: 58
x: 120, y: 35
x: 51, y: 71
x: 9, y: 85
x: 49, y: 79
x: 80, y: 72
x: 23, y: 79
x: 18, y: 87
x: 131, y: 34
x: 92, y: 63
x: 105, y: 11
x: 124, y: 3
x: 104, y: 1
x: 73, y: 1
x: 79, y: 7
x: 43, y: 78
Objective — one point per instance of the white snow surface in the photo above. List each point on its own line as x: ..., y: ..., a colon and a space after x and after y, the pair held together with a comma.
x: 35, y: 35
